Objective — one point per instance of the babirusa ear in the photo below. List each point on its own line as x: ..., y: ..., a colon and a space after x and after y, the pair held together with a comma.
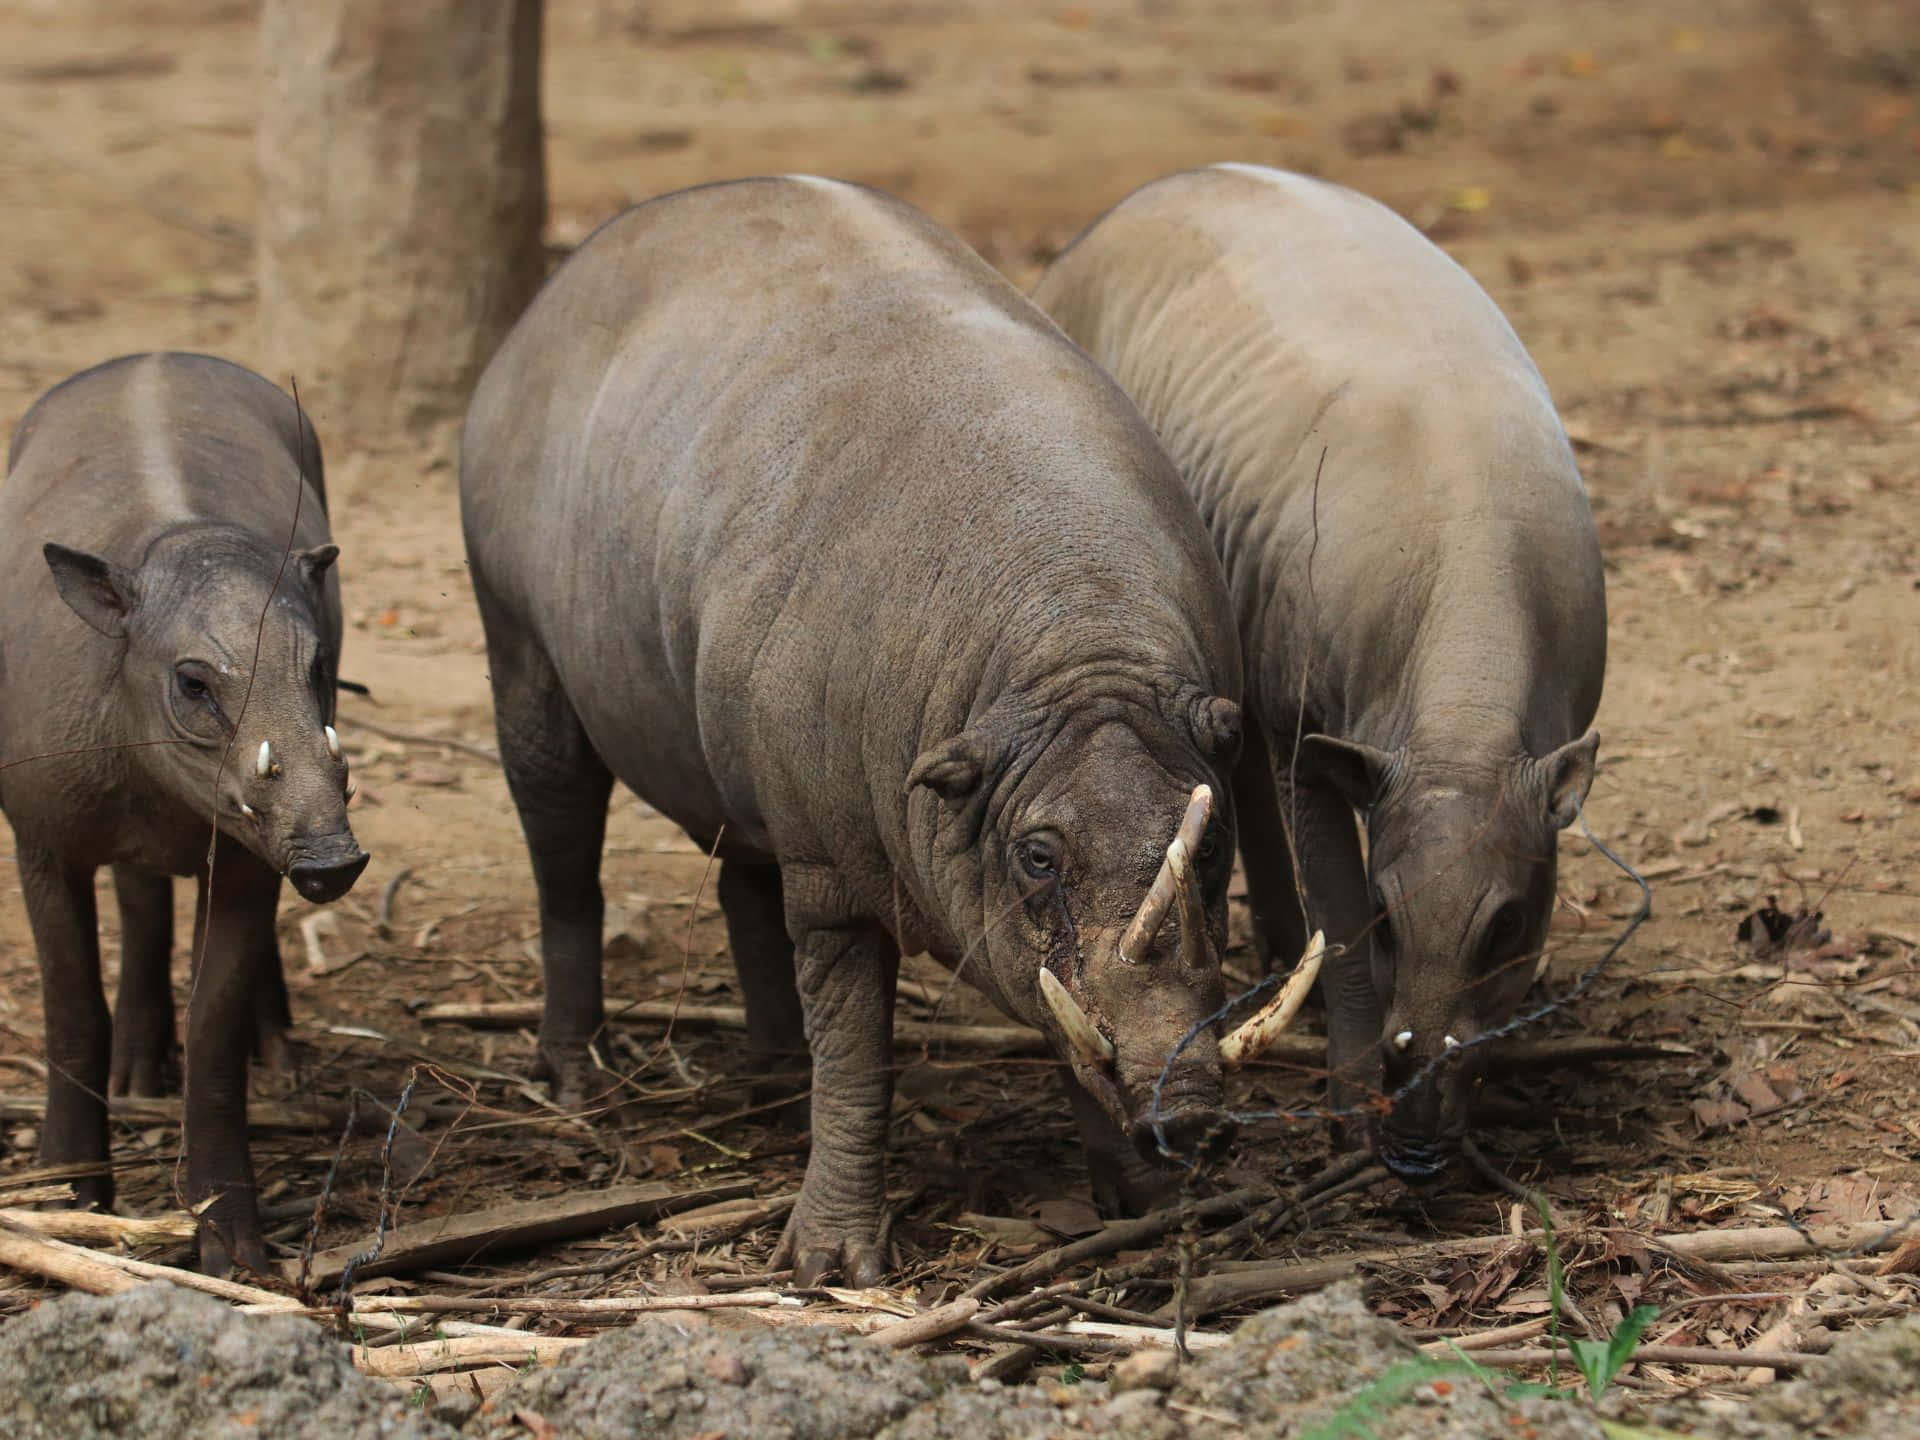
x: 1568, y: 772
x: 1215, y: 722
x: 315, y: 563
x: 1357, y: 772
x: 950, y: 769
x: 97, y: 590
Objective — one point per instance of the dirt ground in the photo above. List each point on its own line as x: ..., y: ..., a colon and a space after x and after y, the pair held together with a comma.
x: 1708, y: 233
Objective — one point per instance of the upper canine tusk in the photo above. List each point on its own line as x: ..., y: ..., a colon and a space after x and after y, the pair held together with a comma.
x: 1449, y: 1042
x: 333, y: 742
x: 1403, y: 1039
x: 1083, y: 1036
x: 1153, y: 909
x: 263, y: 762
x: 248, y: 811
x: 351, y: 791
x: 1252, y: 1036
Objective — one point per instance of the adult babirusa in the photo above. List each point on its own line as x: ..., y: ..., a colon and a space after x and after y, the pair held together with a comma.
x: 1417, y: 586
x: 168, y: 643
x: 786, y: 511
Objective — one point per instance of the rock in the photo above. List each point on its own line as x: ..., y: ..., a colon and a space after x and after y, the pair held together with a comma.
x: 1147, y: 1370
x: 160, y: 1362
x: 659, y: 1379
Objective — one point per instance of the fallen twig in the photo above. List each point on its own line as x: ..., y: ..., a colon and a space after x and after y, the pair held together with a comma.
x: 1161, y: 1336
x: 1125, y: 1235
x: 264, y: 1115
x: 456, y: 1238
x: 91, y: 1227
x: 1488, y: 1339
x: 1048, y: 1340
x: 384, y: 923
x: 934, y: 1324
x: 1259, y: 1284
x: 67, y: 1265
x: 413, y: 737
x: 514, y: 1014
x: 61, y: 1194
x: 461, y: 1352
x: 397, y: 1305
x: 1666, y: 1355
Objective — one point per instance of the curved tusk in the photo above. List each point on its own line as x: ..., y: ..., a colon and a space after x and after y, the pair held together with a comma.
x: 352, y: 790
x: 333, y: 742
x: 1083, y: 1036
x: 1152, y: 913
x: 263, y: 762
x: 1252, y: 1036
x: 1193, y: 915
x: 248, y: 811
x: 1449, y: 1042
x: 1403, y: 1039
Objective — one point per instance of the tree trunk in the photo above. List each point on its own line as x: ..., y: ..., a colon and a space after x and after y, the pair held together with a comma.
x: 402, y: 198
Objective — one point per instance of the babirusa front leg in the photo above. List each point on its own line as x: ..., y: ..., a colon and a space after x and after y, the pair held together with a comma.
x: 846, y: 979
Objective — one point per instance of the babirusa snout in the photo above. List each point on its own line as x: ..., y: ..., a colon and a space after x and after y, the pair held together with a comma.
x: 1252, y: 1037
x: 1175, y: 881
x: 1089, y: 1046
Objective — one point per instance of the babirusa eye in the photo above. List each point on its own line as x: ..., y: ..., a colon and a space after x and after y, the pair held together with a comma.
x: 1505, y: 927
x: 1038, y: 857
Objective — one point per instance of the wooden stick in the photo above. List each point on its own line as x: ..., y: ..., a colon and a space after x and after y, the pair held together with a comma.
x: 1145, y: 1334
x: 1488, y: 1339
x: 1122, y: 1236
x: 1668, y: 1355
x: 452, y: 1239
x: 1256, y: 1284
x: 935, y: 1324
x: 1780, y: 1242
x: 108, y: 1274
x: 582, y: 1305
x: 461, y: 1352
x: 1048, y: 1340
x: 513, y: 1014
x: 91, y: 1227
x: 68, y: 1265
x: 61, y: 1194
x: 300, y: 1117
x: 451, y: 1386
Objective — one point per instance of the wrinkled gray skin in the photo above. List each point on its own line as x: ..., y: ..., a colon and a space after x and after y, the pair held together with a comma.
x: 143, y: 523
x: 787, y: 512
x: 1424, y: 626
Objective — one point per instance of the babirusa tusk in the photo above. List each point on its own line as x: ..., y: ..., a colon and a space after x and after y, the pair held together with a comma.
x: 263, y: 762
x: 1450, y: 1042
x: 248, y: 811
x: 1193, y: 915
x: 1403, y: 1039
x: 1250, y: 1038
x: 352, y: 790
x: 1083, y: 1036
x: 1152, y: 913
x: 333, y: 742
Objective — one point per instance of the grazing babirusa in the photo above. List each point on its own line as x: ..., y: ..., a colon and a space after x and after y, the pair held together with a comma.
x: 787, y: 512
x: 168, y: 638
x: 1417, y: 584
